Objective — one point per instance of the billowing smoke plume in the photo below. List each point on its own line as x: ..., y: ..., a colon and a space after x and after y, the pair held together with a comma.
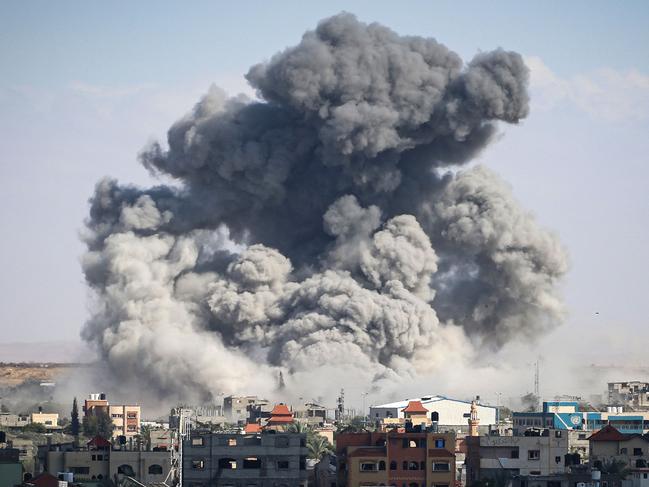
x: 324, y: 228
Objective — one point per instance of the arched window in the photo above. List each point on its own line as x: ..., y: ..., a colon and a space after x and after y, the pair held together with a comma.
x: 380, y: 442
x: 126, y: 470
x: 155, y: 469
x: 434, y: 416
x: 422, y: 465
x: 413, y: 466
x: 381, y: 465
x: 405, y: 465
x: 393, y: 465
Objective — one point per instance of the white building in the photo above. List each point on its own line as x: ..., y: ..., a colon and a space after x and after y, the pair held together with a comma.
x: 449, y: 413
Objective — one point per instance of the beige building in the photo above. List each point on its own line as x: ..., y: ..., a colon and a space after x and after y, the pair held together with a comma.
x: 608, y: 444
x: 146, y: 467
x: 126, y: 420
x: 49, y: 420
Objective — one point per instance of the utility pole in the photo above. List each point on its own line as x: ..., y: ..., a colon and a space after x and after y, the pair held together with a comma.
x: 536, y: 380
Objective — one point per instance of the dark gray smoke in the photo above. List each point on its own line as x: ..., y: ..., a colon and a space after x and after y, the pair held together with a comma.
x: 320, y: 227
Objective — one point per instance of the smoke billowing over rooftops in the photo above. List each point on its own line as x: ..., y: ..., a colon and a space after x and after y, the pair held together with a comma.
x: 318, y: 231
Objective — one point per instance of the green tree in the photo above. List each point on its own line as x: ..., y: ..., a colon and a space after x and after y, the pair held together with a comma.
x: 4, y: 408
x: 318, y: 446
x: 145, y: 436
x: 74, y: 416
x: 98, y: 424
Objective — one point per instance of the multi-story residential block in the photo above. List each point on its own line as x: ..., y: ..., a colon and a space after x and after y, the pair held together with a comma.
x: 9, y: 420
x: 632, y: 395
x: 568, y: 416
x: 126, y: 418
x: 311, y: 414
x: 491, y: 457
x: 266, y: 459
x: 98, y: 461
x: 409, y: 457
x: 448, y: 414
x: 609, y: 444
x: 235, y: 408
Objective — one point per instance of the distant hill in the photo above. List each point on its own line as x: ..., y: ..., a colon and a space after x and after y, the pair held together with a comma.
x: 41, y: 352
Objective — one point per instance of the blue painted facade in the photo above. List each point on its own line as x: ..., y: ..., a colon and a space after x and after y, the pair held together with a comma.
x: 579, y: 420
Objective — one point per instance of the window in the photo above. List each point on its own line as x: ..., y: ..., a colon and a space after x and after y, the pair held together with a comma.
x: 196, y: 464
x: 440, y: 443
x: 535, y: 472
x: 413, y: 466
x: 533, y: 454
x: 557, y: 459
x: 94, y: 457
x: 381, y: 465
x: 155, y: 469
x: 232, y: 442
x: 126, y: 470
x: 368, y: 467
x: 412, y: 444
x: 393, y: 465
x: 82, y: 470
x: 198, y: 441
x: 282, y: 465
x: 514, y: 454
x: 434, y: 416
x: 557, y: 434
x: 251, y: 462
x: 441, y: 467
x: 637, y: 452
x: 582, y: 436
x: 422, y: 465
x: 131, y: 415
x: 623, y: 451
x: 405, y: 465
x: 227, y: 464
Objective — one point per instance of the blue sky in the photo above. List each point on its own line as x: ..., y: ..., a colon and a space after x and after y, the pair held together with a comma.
x: 84, y: 85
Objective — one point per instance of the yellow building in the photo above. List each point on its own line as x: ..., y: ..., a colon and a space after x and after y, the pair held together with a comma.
x: 49, y: 420
x: 126, y: 420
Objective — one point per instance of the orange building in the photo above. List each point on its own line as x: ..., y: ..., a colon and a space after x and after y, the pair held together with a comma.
x: 401, y: 458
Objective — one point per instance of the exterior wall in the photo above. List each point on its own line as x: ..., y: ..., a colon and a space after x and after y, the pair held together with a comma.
x: 235, y: 407
x: 86, y: 465
x: 631, y: 394
x: 13, y: 420
x: 126, y: 420
x: 142, y: 464
x: 634, y: 451
x: 11, y: 474
x: 93, y: 465
x: 380, y: 457
x: 524, y: 455
x: 280, y: 460
x: 639, y: 478
x: 47, y: 419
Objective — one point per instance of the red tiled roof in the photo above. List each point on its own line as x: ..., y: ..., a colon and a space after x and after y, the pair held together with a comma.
x: 44, y: 480
x: 415, y: 407
x: 368, y: 452
x: 99, y: 441
x: 279, y: 419
x: 280, y: 410
x: 252, y: 428
x: 608, y: 433
x: 439, y: 453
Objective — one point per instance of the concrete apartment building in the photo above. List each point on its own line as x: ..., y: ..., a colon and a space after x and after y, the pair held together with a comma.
x: 632, y: 395
x: 266, y: 459
x: 449, y: 414
x: 235, y: 408
x: 126, y: 418
x: 98, y: 461
x: 9, y: 420
x: 491, y: 457
x: 609, y: 444
x: 411, y: 457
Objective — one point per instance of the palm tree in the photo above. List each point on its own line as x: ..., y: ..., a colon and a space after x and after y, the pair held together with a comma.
x: 296, y: 427
x: 318, y: 447
x: 145, y: 435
